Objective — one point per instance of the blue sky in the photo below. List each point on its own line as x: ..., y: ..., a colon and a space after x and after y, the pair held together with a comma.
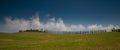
x: 84, y: 12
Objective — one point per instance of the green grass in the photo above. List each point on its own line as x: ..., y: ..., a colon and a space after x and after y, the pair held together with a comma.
x: 46, y: 41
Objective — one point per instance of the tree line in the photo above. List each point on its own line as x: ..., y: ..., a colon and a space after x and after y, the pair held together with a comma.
x: 115, y: 30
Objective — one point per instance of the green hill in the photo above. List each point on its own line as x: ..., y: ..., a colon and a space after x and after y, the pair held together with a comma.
x: 47, y: 41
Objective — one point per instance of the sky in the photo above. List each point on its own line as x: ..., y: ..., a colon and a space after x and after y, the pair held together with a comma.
x: 60, y: 15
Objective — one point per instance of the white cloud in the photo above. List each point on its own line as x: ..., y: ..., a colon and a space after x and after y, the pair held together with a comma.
x: 79, y: 27
x: 51, y: 24
x: 16, y: 24
x: 35, y: 23
x: 95, y: 27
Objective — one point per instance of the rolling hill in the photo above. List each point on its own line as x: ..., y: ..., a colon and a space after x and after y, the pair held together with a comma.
x: 49, y: 41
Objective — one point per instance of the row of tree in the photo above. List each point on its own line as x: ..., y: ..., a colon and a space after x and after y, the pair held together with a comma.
x: 42, y: 30
x: 32, y: 30
x: 115, y: 30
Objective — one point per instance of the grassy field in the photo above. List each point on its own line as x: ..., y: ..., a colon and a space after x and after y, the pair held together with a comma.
x: 46, y: 41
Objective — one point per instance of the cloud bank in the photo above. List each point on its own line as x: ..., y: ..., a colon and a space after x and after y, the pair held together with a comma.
x: 52, y: 24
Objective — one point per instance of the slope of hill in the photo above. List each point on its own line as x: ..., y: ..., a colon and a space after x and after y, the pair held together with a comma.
x: 46, y: 41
